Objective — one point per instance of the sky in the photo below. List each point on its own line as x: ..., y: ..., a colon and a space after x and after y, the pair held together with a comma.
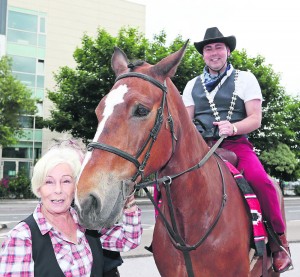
x: 261, y: 27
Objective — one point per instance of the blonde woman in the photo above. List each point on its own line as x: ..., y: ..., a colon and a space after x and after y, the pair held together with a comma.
x: 51, y: 241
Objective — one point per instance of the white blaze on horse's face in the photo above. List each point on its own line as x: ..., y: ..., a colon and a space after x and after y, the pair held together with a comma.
x: 115, y: 97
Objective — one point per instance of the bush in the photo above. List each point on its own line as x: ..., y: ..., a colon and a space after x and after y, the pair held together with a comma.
x: 297, y: 189
x: 4, y: 187
x: 16, y: 187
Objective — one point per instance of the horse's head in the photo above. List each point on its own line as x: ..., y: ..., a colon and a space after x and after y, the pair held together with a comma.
x: 132, y: 118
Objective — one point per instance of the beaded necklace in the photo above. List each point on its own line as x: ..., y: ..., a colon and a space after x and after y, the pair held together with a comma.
x: 211, y: 99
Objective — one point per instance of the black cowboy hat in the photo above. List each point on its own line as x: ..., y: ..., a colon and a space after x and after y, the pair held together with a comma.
x: 213, y: 35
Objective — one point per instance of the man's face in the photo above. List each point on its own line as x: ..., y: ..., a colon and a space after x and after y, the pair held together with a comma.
x: 215, y: 56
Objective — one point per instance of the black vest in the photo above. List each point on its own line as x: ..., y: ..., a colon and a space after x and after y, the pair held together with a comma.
x: 45, y: 263
x: 203, y: 113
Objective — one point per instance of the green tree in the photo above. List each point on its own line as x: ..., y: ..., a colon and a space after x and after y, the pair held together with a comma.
x: 273, y: 94
x: 289, y: 130
x: 15, y: 100
x: 290, y: 133
x: 280, y: 162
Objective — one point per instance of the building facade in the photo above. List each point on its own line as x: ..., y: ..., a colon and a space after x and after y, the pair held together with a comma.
x: 40, y: 36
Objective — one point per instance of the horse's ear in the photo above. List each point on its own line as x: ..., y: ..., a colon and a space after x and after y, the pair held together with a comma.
x: 168, y: 66
x: 119, y: 61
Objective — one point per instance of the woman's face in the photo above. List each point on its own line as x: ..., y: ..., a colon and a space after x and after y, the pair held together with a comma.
x: 215, y: 56
x: 57, y: 190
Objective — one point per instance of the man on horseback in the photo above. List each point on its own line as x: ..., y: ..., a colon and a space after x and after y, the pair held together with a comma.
x: 226, y: 101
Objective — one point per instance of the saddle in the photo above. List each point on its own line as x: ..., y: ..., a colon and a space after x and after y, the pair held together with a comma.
x: 223, y: 153
x: 227, y: 155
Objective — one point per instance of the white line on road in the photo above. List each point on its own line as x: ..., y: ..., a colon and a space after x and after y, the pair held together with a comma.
x: 9, y: 222
x: 13, y: 214
x: 148, y: 227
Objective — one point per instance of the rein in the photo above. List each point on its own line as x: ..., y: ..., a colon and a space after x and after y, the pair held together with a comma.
x: 196, y: 166
x: 175, y: 237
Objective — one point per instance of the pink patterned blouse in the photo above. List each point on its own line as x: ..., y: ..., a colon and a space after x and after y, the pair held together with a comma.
x: 73, y: 259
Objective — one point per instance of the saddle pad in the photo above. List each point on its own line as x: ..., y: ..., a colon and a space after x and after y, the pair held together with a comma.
x: 259, y: 232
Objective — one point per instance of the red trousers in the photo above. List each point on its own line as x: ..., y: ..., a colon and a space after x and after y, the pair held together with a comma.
x: 259, y: 180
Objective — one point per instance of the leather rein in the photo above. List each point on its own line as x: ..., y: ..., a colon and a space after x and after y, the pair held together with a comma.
x: 172, y: 228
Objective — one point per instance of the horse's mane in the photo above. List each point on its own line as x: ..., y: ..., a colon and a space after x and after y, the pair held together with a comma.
x: 134, y: 64
x: 157, y: 71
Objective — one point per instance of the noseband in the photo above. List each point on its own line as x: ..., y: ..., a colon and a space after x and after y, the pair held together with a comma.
x: 152, y: 136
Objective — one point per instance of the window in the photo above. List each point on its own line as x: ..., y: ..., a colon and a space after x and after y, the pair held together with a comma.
x: 42, y: 41
x: 42, y: 25
x: 21, y: 37
x: 24, y: 168
x: 9, y: 169
x: 39, y: 93
x: 26, y: 121
x: 40, y: 81
x: 3, y: 9
x: 24, y: 64
x: 21, y: 152
x: 30, y: 71
x: 10, y: 152
x: 39, y: 122
x: 40, y: 67
x: 22, y: 21
x: 12, y: 168
x: 27, y: 79
x: 26, y: 29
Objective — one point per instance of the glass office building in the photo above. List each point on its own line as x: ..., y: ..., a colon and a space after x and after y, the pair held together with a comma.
x: 40, y: 36
x: 26, y: 45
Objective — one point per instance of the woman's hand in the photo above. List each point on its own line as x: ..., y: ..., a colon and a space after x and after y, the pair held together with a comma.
x: 130, y: 204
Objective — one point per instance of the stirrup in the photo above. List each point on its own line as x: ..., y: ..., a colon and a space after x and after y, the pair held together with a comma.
x: 290, y: 267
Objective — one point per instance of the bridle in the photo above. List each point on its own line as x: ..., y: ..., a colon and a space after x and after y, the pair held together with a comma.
x: 173, y: 232
x: 151, y: 138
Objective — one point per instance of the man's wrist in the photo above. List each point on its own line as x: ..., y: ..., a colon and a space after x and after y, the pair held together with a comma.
x: 234, y: 130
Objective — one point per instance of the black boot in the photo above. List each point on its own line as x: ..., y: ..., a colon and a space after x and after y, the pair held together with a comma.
x: 149, y: 248
x: 282, y: 259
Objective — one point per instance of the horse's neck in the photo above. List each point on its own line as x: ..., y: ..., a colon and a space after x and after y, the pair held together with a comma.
x: 193, y: 194
x: 190, y: 148
x: 189, y: 151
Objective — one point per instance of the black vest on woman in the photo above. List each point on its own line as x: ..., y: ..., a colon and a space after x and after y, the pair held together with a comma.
x: 45, y: 262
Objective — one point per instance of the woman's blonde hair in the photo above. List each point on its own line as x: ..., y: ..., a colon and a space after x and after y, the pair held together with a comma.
x: 67, y: 151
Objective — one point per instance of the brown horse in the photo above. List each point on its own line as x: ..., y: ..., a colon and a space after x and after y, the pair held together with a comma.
x: 143, y: 129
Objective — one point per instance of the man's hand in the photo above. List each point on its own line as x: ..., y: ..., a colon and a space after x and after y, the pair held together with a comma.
x: 225, y: 128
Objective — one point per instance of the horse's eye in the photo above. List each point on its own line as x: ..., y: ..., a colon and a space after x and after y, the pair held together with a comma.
x: 141, y: 111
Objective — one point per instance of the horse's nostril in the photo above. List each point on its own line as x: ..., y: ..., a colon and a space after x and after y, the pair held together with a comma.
x: 92, y: 204
x: 95, y: 202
